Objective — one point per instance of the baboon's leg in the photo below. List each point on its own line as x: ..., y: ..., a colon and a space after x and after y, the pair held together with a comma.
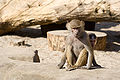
x: 95, y: 63
x: 89, y: 49
x: 71, y: 59
x: 69, y: 55
x: 81, y: 60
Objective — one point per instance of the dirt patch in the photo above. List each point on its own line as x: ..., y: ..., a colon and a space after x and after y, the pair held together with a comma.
x: 16, y: 61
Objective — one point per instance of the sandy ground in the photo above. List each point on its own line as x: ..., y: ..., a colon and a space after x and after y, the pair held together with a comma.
x: 16, y: 61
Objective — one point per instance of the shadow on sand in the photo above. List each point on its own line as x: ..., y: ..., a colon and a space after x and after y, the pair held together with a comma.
x: 113, y: 38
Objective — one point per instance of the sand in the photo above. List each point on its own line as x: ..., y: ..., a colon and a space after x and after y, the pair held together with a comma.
x: 16, y: 62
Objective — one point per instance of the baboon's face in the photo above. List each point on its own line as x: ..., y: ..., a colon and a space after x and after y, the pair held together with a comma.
x: 93, y: 39
x: 76, y: 31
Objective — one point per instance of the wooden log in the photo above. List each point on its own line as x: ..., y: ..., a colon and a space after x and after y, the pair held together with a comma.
x: 56, y: 39
x: 16, y: 14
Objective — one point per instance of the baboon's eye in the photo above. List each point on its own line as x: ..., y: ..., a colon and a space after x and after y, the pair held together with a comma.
x: 76, y: 28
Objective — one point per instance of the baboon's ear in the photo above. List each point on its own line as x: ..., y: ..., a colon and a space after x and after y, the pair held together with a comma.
x: 82, y: 23
x: 68, y: 26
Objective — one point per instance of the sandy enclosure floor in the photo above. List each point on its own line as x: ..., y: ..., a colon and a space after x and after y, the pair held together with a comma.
x: 19, y: 58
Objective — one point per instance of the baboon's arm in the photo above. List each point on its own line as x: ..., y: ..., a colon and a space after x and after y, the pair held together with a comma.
x: 86, y: 42
x: 62, y: 62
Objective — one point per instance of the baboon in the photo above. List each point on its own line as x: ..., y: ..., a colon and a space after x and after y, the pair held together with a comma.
x: 82, y: 61
x: 36, y: 57
x: 76, y: 42
x: 83, y: 55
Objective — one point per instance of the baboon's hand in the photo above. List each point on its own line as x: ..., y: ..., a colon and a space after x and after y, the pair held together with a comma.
x: 70, y: 69
x: 59, y: 66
